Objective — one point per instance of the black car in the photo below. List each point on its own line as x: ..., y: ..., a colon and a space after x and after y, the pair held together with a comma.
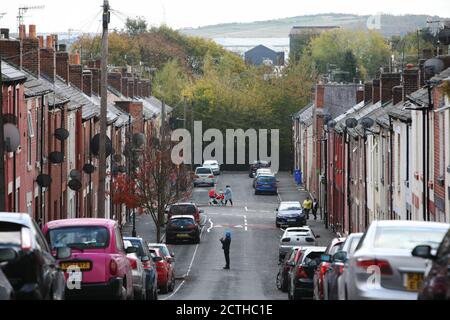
x: 290, y: 214
x: 181, y: 228
x: 257, y: 165
x: 151, y: 274
x: 27, y: 260
x: 436, y: 284
x: 6, y: 291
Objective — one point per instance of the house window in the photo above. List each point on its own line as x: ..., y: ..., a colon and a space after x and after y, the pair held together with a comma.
x: 30, y: 135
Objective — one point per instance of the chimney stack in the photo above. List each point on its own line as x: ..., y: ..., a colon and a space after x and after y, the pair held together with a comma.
x: 76, y: 71
x: 41, y: 41
x: 375, y: 90
x: 115, y: 80
x: 359, y: 94
x: 411, y: 80
x: 62, y: 65
x: 367, y: 92
x: 387, y: 82
x: 397, y: 94
x: 87, y: 82
x: 125, y: 86
x: 30, y: 51
x: 49, y: 42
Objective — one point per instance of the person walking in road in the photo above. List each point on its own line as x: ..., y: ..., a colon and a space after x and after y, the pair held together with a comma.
x: 315, y: 207
x: 307, y: 205
x: 228, y: 195
x: 226, y: 248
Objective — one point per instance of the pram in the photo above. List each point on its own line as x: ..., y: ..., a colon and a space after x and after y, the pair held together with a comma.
x: 217, y: 200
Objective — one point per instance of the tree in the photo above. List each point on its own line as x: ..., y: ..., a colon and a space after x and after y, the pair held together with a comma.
x: 156, y: 184
x: 135, y: 27
x: 169, y: 82
x: 350, y: 65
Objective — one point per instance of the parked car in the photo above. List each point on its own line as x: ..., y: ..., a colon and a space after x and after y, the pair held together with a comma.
x: 300, y: 278
x: 98, y: 251
x: 213, y: 164
x: 6, y: 290
x: 184, y: 208
x: 256, y: 165
x: 204, y: 176
x: 151, y: 275
x: 166, y: 271
x: 27, y: 260
x: 166, y: 251
x: 137, y: 271
x: 436, y: 284
x: 285, y: 266
x: 298, y: 236
x: 383, y: 266
x: 266, y: 184
x: 181, y: 228
x: 261, y: 172
x: 289, y: 213
x: 325, y: 262
x: 332, y: 278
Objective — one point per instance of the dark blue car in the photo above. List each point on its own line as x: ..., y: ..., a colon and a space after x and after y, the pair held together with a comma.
x: 266, y: 184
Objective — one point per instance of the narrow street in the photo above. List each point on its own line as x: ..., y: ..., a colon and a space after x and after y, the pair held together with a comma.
x: 254, y: 245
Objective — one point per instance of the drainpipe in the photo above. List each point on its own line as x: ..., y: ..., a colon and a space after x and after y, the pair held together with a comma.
x: 366, y: 207
x: 424, y: 159
x: 347, y: 140
x: 91, y: 123
x: 62, y: 165
x: 391, y: 169
x: 41, y: 191
x: 342, y: 222
x: 14, y: 155
x: 430, y: 107
x: 325, y: 206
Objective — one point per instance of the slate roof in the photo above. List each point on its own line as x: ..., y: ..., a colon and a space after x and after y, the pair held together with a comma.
x: 158, y: 104
x: 34, y: 86
x: 111, y: 114
x: 11, y: 74
x: 442, y: 76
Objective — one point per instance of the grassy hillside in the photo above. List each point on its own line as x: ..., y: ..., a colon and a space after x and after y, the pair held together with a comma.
x: 390, y: 25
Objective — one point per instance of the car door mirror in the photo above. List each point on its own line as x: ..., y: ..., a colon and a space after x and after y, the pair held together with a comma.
x: 172, y: 254
x: 317, y: 236
x: 423, y: 251
x: 8, y: 255
x: 276, y: 209
x: 131, y: 249
x: 145, y: 259
x: 63, y: 253
x: 325, y: 258
x: 157, y: 259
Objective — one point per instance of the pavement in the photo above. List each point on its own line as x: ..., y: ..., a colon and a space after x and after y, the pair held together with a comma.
x: 254, y: 244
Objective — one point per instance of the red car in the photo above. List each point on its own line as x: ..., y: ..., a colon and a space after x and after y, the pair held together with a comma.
x: 166, y: 271
x: 322, y: 268
x: 290, y: 260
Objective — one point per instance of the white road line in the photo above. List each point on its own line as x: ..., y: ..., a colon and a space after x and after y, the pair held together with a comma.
x: 245, y: 222
x: 212, y: 224
x: 279, y: 197
x: 189, y: 270
x: 246, y: 209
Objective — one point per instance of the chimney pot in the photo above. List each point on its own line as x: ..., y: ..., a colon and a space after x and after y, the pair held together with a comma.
x: 22, y: 32
x: 49, y: 42
x: 41, y: 41
x: 62, y: 47
x: 32, y: 31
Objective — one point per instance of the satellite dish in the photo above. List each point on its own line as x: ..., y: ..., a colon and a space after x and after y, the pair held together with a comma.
x: 75, y: 174
x: 138, y: 140
x: 95, y: 145
x: 433, y: 66
x: 122, y: 169
x: 56, y: 157
x: 331, y: 124
x: 327, y: 118
x: 61, y: 134
x: 44, y: 180
x: 367, y: 122
x: 351, y: 123
x: 444, y: 36
x: 88, y: 168
x: 11, y: 136
x: 75, y: 184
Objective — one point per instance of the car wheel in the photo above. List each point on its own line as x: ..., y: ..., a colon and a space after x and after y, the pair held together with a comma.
x: 165, y: 288
x: 277, y: 225
x: 279, y: 280
x: 285, y: 285
x: 172, y: 284
x: 256, y: 192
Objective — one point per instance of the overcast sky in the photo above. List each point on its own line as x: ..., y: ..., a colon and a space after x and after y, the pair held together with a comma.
x: 61, y: 15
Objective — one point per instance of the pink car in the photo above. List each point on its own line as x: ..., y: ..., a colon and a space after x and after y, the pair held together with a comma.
x: 98, y: 252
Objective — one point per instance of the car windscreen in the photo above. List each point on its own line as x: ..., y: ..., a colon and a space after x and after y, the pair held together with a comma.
x: 138, y: 244
x: 266, y: 179
x: 162, y: 249
x: 203, y: 171
x: 181, y: 222
x: 182, y: 210
x: 408, y: 237
x: 352, y: 247
x: 80, y: 237
x: 290, y: 207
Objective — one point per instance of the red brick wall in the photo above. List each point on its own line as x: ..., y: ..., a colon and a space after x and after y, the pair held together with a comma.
x: 125, y: 86
x: 387, y: 82
x: 87, y: 83
x: 438, y: 99
x: 48, y: 63
x: 410, y: 81
x: 96, y: 75
x: 375, y: 91
x: 76, y: 75
x: 10, y: 51
x: 62, y: 65
x: 115, y: 80
x: 31, y: 55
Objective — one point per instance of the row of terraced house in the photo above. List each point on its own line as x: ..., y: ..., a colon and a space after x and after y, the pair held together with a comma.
x: 51, y: 104
x: 378, y: 150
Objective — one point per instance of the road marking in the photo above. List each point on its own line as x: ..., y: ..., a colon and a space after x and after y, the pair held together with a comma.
x: 212, y: 224
x: 189, y: 270
x: 246, y: 209
x: 245, y: 222
x: 279, y: 197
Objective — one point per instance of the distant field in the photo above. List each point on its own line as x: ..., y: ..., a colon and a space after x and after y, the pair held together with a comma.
x: 390, y: 25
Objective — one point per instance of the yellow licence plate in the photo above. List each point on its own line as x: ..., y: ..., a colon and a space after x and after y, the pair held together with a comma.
x: 83, y: 265
x: 413, y: 281
x: 182, y: 235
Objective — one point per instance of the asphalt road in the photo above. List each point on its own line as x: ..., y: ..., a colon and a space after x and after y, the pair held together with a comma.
x: 254, y: 244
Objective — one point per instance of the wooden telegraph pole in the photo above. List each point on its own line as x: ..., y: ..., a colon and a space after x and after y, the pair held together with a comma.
x: 103, y: 106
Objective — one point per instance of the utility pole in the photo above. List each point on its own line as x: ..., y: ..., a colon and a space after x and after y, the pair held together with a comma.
x: 2, y: 147
x: 103, y: 106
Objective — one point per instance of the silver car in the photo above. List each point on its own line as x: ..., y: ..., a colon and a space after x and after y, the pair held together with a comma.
x: 382, y: 266
x: 296, y: 236
x: 213, y: 164
x: 204, y: 176
x: 138, y: 273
